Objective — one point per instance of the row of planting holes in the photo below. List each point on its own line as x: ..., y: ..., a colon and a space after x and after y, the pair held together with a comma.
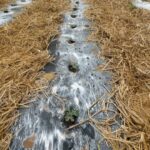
x: 74, y: 67
x: 73, y: 26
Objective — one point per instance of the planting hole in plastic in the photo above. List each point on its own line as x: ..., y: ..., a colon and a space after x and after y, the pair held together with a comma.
x: 75, y: 9
x: 73, y: 26
x: 6, y: 11
x: 71, y: 41
x: 77, y: 2
x: 13, y: 4
x: 73, y: 16
x: 73, y: 67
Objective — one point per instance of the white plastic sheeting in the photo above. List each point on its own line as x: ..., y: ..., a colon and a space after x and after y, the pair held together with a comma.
x: 141, y: 4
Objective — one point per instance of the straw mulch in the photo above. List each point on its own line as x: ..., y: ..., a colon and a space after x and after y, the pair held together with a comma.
x: 5, y: 2
x: 23, y: 52
x: 123, y: 33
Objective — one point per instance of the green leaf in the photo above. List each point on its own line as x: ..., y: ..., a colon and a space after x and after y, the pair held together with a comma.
x: 99, y: 148
x: 71, y: 114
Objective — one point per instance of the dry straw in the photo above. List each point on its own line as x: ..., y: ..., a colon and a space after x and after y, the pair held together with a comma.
x: 5, y: 2
x: 23, y: 52
x: 123, y: 33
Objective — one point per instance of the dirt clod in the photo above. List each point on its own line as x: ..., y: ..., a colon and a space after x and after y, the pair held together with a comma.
x: 29, y: 142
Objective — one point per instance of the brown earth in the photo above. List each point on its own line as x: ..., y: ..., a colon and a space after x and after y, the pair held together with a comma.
x: 29, y: 142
